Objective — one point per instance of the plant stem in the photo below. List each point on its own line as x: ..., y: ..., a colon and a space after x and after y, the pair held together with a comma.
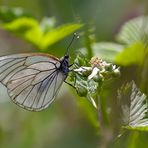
x: 88, y: 44
x: 106, y: 132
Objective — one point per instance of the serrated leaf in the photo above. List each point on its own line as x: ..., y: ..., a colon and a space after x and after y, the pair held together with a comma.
x: 107, y: 50
x: 138, y: 108
x: 133, y: 31
x: 134, y: 113
x: 133, y: 54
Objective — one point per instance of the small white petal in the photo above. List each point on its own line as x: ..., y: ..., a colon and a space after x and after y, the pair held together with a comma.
x: 104, y: 63
x: 83, y: 69
x: 94, y: 72
x: 117, y: 70
x: 114, y: 67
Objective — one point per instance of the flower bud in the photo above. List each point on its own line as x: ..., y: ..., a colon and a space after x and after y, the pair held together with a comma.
x: 82, y: 91
x: 108, y: 67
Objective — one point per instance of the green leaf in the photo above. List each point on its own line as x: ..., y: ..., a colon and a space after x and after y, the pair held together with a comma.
x: 134, y: 113
x: 138, y: 128
x: 8, y: 14
x: 27, y: 28
x: 58, y: 34
x: 41, y: 35
x: 133, y: 54
x: 134, y: 30
x: 138, y: 108
x: 107, y: 50
x: 21, y: 25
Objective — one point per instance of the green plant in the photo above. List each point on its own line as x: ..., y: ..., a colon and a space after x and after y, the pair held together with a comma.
x: 40, y: 34
x: 96, y: 68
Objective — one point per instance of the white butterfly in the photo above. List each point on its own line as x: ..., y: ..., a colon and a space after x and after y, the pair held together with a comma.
x: 34, y: 79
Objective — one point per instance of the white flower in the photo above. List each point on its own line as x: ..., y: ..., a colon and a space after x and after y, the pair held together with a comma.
x: 94, y: 71
x: 98, y: 67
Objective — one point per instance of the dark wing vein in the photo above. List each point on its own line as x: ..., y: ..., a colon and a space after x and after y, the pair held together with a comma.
x: 17, y: 94
x: 8, y: 76
x: 42, y: 87
x: 50, y: 82
x: 56, y: 89
x: 12, y: 64
x: 36, y: 94
x: 27, y: 95
x: 21, y: 84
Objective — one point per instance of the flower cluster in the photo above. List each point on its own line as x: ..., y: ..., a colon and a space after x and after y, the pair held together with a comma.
x: 98, y: 70
x: 89, y: 76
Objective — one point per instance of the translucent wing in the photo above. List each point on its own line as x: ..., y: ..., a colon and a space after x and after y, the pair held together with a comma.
x: 32, y: 80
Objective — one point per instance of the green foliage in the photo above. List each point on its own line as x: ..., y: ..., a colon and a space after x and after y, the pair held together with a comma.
x: 94, y: 80
x: 131, y: 47
x: 8, y: 14
x: 89, y: 78
x: 133, y: 31
x: 133, y: 35
x: 133, y: 54
x: 57, y: 34
x: 40, y: 34
x: 85, y: 88
x: 134, y: 112
x: 107, y: 50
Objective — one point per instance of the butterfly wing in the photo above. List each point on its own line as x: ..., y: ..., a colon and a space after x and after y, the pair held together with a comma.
x: 32, y: 80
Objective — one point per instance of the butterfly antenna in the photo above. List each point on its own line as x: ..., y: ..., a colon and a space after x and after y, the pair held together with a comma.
x: 72, y: 40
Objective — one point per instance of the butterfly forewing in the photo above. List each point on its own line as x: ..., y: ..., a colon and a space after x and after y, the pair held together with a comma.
x: 32, y: 80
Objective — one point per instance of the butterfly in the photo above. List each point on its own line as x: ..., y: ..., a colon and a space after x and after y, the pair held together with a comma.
x: 34, y: 79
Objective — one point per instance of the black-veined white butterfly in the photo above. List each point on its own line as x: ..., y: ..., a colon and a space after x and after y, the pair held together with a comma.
x: 34, y: 79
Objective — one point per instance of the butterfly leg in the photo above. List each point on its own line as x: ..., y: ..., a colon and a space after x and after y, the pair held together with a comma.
x: 73, y: 85
x: 70, y: 84
x: 74, y: 64
x: 71, y: 65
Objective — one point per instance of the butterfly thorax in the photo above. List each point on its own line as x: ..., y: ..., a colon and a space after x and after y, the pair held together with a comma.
x: 64, y: 64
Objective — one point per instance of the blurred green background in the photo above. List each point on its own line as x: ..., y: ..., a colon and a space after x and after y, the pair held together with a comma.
x: 70, y: 122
